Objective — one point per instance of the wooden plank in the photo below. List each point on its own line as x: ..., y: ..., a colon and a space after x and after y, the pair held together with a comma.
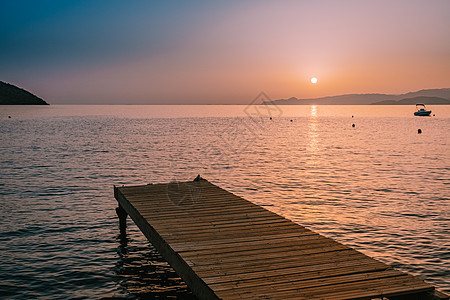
x: 200, y: 209
x: 179, y: 237
x: 284, y: 250
x: 196, y: 222
x: 307, y: 241
x: 187, y: 218
x: 305, y: 280
x: 190, y: 245
x: 348, y: 288
x: 192, y: 203
x: 280, y: 262
x: 226, y: 247
x: 201, y: 213
x: 314, y: 260
x: 219, y: 230
x: 306, y: 272
x: 200, y: 226
x: 261, y: 257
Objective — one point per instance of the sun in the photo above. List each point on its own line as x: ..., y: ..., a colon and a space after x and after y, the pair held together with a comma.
x: 314, y: 80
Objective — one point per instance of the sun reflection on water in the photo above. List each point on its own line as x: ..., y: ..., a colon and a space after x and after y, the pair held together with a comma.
x: 313, y: 134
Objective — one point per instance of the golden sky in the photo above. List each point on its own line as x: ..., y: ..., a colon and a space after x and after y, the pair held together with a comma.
x: 208, y: 53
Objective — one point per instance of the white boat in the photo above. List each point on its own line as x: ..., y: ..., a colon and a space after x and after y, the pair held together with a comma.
x: 422, y: 110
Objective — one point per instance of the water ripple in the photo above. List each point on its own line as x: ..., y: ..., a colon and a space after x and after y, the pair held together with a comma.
x: 381, y: 191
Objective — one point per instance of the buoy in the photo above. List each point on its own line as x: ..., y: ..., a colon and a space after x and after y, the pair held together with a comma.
x: 352, y: 116
x: 353, y: 125
x: 9, y: 117
x: 291, y: 120
x: 419, y: 131
x: 271, y: 118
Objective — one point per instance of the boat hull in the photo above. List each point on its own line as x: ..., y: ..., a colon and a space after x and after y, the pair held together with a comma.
x: 422, y: 113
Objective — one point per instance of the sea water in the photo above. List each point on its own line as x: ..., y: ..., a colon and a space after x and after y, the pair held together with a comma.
x: 378, y: 186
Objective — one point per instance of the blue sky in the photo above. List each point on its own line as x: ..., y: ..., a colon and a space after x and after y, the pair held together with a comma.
x: 166, y: 52
x: 58, y: 33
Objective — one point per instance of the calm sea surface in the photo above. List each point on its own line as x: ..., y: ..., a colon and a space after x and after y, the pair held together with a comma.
x: 379, y: 187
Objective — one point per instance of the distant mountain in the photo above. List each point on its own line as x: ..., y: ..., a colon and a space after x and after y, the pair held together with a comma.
x: 441, y: 93
x: 414, y: 100
x: 363, y: 99
x: 13, y: 95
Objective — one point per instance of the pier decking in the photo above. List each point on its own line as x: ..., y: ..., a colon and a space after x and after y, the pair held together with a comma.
x: 225, y: 247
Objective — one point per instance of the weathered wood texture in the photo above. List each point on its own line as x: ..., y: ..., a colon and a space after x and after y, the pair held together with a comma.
x: 226, y: 247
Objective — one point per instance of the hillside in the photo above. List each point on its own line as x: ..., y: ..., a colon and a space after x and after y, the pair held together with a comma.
x: 412, y: 101
x: 364, y: 99
x: 13, y: 95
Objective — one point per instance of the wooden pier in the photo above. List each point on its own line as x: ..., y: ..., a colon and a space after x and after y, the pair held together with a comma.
x: 225, y: 247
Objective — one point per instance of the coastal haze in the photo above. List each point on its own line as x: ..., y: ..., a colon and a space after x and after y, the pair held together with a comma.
x: 202, y: 52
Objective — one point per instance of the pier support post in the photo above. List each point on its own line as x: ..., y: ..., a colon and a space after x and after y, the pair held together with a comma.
x: 122, y: 214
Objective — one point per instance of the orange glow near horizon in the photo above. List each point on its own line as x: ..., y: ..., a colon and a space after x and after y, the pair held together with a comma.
x: 227, y: 56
